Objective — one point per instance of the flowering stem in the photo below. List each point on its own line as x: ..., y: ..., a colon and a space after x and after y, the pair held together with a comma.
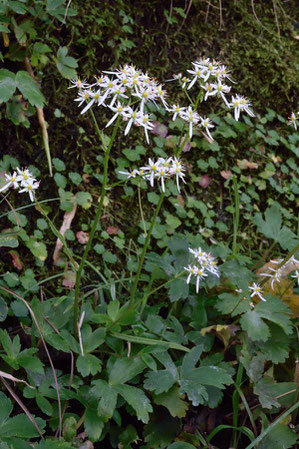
x: 236, y: 215
x: 94, y: 226
x: 99, y: 133
x: 141, y: 260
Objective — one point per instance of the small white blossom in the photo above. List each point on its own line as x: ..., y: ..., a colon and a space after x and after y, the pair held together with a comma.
x: 296, y: 276
x: 292, y: 120
x: 11, y: 180
x: 256, y: 290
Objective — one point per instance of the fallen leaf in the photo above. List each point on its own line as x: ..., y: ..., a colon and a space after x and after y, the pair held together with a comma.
x: 112, y: 230
x: 82, y: 237
x: 224, y: 332
x: 244, y: 163
x: 66, y: 224
x: 159, y: 129
x: 226, y: 174
x: 180, y: 200
x: 85, y: 178
x: 16, y: 260
x: 204, y: 181
x: 69, y: 279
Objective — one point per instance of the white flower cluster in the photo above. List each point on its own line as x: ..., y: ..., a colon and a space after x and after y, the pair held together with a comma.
x: 205, y: 263
x: 276, y: 273
x: 23, y: 180
x: 161, y: 170
x: 126, y: 91
x: 192, y: 117
x: 212, y: 76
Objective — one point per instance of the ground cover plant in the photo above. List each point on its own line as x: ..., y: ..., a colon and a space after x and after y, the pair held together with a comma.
x: 149, y: 292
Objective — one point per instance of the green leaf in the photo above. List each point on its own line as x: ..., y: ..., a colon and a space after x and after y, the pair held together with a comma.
x: 9, y: 239
x: 159, y: 381
x: 38, y: 249
x: 181, y: 445
x: 276, y: 349
x: 3, y: 309
x: 7, y: 85
x: 125, y: 369
x: 271, y: 227
x: 29, y: 89
x: 267, y: 391
x: 28, y: 361
x: 255, y: 326
x: 17, y: 7
x: 196, y: 392
x: 276, y: 311
x: 237, y: 274
x: 173, y: 402
x: 108, y: 396
x: 58, y: 164
x: 66, y: 64
x: 281, y: 436
x: 44, y: 404
x: 137, y: 400
x: 92, y: 340
x: 88, y: 364
x: 84, y: 199
x: 75, y: 178
x: 190, y: 360
x: 6, y: 407
x: 149, y: 341
x: 93, y: 424
x: 20, y: 426
x: 231, y: 304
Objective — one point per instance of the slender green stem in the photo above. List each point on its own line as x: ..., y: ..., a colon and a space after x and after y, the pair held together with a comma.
x: 99, y: 133
x: 141, y: 210
x: 236, y: 215
x: 277, y: 421
x: 245, y: 403
x: 146, y: 243
x: 94, y: 226
x: 235, y: 400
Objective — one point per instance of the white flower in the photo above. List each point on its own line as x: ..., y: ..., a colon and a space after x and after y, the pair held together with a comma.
x: 191, y: 117
x: 256, y: 290
x: 130, y: 174
x: 29, y: 186
x: 206, y: 123
x: 178, y: 170
x: 296, y: 276
x: 175, y: 108
x: 151, y: 169
x: 192, y: 270
x: 96, y: 97
x: 132, y: 116
x: 219, y: 89
x: 240, y: 103
x: 12, y: 180
x: 292, y: 120
x: 80, y: 84
x: 197, y: 73
x: 143, y: 120
x: 83, y: 96
x: 24, y: 175
x: 119, y: 109
x: 199, y: 276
